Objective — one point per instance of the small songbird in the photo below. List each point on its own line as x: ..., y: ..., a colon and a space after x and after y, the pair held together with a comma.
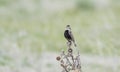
x: 68, y: 35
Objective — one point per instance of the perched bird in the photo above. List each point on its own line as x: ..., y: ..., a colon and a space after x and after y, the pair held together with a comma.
x: 69, y: 36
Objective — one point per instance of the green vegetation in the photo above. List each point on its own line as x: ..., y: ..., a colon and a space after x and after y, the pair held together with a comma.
x: 94, y: 29
x: 34, y: 27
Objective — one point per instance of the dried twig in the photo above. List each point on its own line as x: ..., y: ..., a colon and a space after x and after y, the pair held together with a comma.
x: 69, y: 62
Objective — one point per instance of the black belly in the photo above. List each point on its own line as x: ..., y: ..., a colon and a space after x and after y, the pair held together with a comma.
x: 67, y: 35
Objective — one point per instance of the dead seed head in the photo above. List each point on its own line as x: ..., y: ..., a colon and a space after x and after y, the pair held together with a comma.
x: 70, y: 50
x: 58, y: 58
x: 62, y: 65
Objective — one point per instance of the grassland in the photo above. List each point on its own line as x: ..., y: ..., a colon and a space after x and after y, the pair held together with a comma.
x: 30, y: 28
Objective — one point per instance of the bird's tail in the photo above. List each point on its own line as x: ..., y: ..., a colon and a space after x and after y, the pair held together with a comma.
x: 75, y: 44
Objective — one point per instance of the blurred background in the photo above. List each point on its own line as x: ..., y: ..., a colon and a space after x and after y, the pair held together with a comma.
x: 31, y: 34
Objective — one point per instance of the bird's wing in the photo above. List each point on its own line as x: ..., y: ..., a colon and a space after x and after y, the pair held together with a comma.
x: 72, y: 36
x: 73, y: 39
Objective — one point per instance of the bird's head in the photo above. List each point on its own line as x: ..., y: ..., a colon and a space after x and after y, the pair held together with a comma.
x: 68, y: 27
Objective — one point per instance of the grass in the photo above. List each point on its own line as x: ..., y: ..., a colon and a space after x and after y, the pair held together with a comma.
x: 93, y: 31
x: 30, y: 29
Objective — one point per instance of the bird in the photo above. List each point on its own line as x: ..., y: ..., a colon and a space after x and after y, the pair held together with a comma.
x: 69, y: 36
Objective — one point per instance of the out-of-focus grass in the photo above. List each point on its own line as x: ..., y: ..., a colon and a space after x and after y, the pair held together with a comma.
x: 95, y: 30
x: 28, y: 28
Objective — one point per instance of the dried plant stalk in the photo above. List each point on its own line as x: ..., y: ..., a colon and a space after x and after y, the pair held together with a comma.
x: 69, y: 62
